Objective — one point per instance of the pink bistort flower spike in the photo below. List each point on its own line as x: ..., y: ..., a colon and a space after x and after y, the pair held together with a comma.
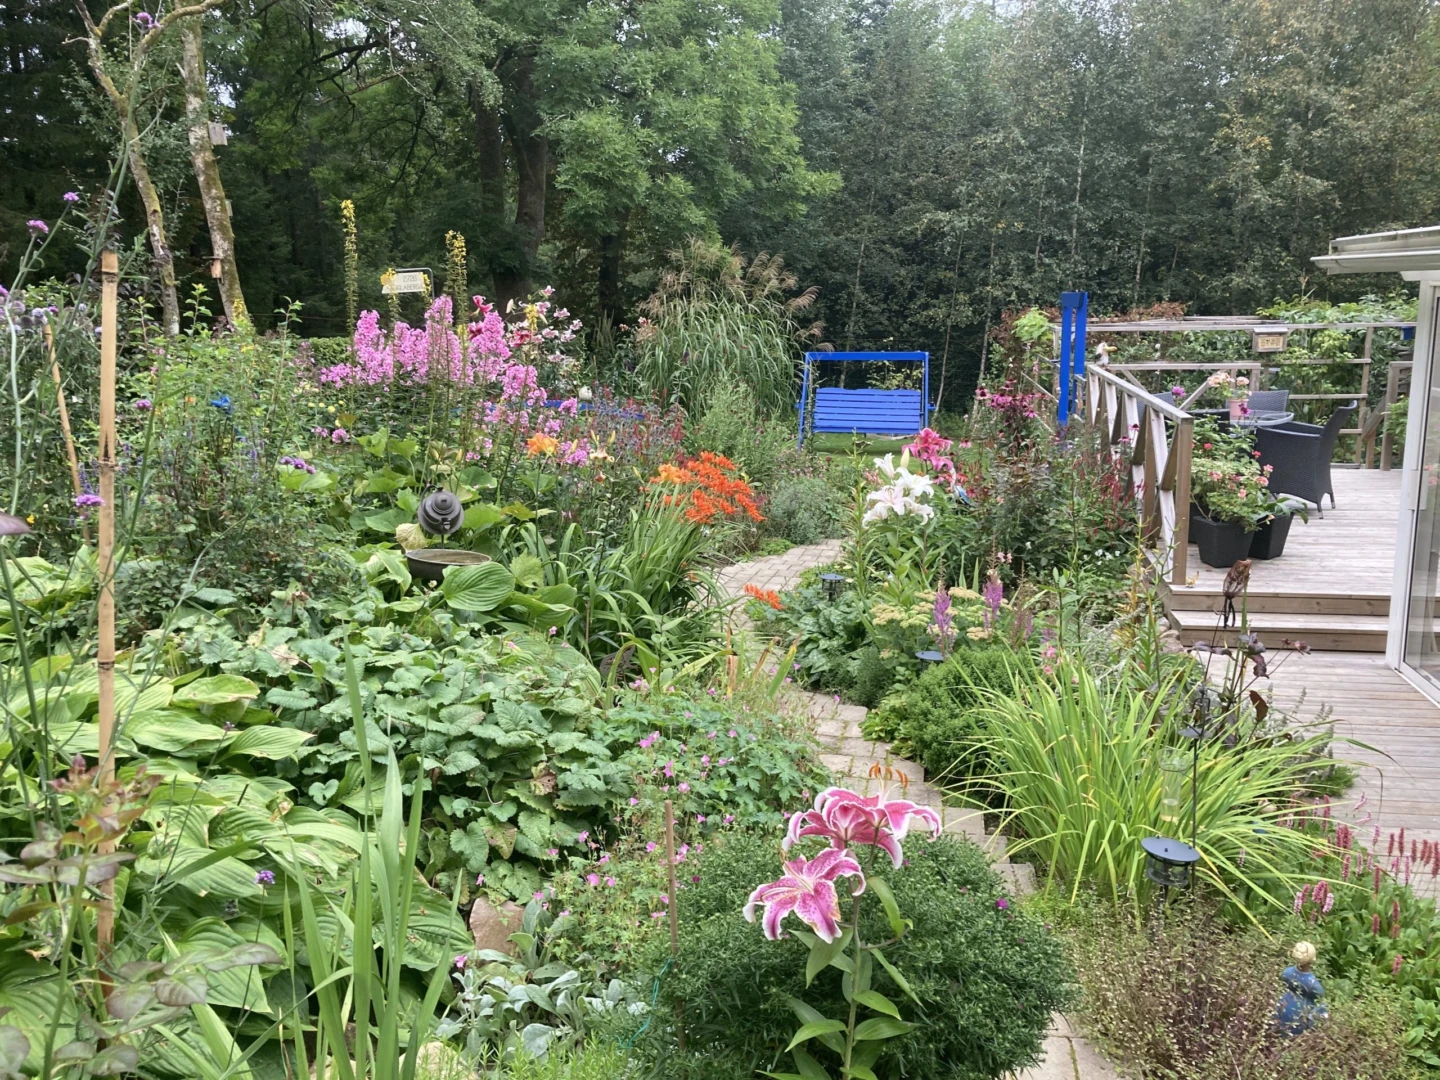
x: 807, y: 888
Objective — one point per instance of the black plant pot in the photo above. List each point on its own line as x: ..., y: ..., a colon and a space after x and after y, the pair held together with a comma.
x: 1268, y: 541
x: 1222, y: 543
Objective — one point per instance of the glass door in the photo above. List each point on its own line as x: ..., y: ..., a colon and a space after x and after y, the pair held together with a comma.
x: 1422, y: 627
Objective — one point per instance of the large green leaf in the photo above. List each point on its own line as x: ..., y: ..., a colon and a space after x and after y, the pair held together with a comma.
x: 266, y: 742
x: 477, y: 588
x: 171, y: 730
x: 482, y: 516
x: 216, y: 690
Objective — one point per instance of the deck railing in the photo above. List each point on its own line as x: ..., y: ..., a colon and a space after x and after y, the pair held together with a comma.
x: 1158, y: 438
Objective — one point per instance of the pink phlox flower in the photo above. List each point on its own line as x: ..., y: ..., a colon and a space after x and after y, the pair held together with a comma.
x: 807, y: 888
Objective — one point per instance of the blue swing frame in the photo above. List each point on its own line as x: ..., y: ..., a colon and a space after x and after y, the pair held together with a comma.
x: 865, y: 412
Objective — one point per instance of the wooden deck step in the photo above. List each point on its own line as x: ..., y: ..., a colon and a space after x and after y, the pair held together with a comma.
x: 1340, y: 633
x: 1271, y: 598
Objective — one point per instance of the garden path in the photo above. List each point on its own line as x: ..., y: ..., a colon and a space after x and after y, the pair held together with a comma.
x: 856, y: 760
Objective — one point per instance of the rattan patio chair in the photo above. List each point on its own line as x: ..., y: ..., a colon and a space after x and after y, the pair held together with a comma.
x: 1300, y: 455
x: 1268, y: 400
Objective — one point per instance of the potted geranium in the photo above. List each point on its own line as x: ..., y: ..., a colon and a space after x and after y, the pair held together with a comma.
x: 1236, y: 391
x: 1234, y: 514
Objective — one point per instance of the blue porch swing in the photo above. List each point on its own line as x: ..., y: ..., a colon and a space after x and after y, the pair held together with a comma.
x: 864, y: 412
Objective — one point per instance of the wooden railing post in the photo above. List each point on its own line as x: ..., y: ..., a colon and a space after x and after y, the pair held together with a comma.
x: 1182, y: 451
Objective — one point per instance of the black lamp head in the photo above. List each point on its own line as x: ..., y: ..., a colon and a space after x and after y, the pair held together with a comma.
x: 1169, y: 862
x: 440, y: 513
x: 832, y: 583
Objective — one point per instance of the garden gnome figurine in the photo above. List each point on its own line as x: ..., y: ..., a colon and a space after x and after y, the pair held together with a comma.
x: 1300, y: 1005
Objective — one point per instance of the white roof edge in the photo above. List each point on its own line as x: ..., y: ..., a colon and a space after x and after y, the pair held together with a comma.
x: 1393, y: 251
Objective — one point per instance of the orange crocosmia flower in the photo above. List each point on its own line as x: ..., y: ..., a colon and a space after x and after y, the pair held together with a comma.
x: 540, y: 443
x: 765, y: 596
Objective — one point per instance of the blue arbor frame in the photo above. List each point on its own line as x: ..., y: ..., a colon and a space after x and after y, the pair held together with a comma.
x: 888, y: 412
x: 1074, y: 313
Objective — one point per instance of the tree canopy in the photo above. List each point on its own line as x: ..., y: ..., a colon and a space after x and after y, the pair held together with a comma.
x: 928, y: 164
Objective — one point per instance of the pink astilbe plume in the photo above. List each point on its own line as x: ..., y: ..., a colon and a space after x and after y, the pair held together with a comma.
x: 848, y: 819
x: 807, y: 888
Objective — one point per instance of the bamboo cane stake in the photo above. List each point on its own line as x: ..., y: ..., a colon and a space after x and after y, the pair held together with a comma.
x: 65, y: 422
x: 105, y: 649
x: 674, y: 908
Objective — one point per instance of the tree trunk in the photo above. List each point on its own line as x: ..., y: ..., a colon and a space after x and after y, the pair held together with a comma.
x: 154, y: 226
x: 207, y: 172
x: 607, y: 280
x: 530, y: 149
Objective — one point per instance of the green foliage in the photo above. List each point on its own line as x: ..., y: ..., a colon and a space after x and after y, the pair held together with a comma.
x: 595, y: 1062
x: 802, y: 510
x: 684, y: 751
x: 827, y: 633
x: 715, y: 322
x: 528, y: 1004
x: 1187, y: 996
x: 1083, y: 785
x: 369, y: 990
x: 937, y: 719
x: 987, y: 978
x: 734, y: 426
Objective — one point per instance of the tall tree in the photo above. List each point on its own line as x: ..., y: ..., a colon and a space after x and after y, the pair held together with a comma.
x: 207, y: 171
x: 121, y: 80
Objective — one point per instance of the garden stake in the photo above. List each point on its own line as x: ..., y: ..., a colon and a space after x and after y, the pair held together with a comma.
x: 674, y: 915
x: 105, y: 649
x: 65, y: 423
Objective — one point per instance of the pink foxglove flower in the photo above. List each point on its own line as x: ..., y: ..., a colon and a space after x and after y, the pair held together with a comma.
x: 847, y: 819
x: 808, y: 889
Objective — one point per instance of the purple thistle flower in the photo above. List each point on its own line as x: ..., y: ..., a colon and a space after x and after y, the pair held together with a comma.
x: 1002, y: 904
x: 71, y: 197
x: 37, y: 227
x: 144, y: 404
x: 86, y: 500
x: 265, y: 877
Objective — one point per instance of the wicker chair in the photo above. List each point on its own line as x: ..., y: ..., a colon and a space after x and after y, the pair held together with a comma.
x: 1268, y: 400
x: 1301, y: 453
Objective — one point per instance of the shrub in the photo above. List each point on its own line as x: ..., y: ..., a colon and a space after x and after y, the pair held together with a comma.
x: 803, y: 510
x: 1185, y: 998
x: 826, y: 633
x: 988, y: 977
x: 937, y: 719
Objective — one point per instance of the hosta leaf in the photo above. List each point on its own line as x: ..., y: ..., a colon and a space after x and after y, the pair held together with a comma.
x: 216, y: 690
x: 275, y: 743
x: 171, y: 730
x: 477, y: 588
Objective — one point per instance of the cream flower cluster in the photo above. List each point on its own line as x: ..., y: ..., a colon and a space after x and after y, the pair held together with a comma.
x: 901, y: 493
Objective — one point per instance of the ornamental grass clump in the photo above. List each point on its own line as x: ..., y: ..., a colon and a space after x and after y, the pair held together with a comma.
x: 1082, y: 786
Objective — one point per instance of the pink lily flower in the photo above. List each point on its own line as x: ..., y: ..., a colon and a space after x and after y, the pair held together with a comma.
x: 846, y: 818
x: 808, y: 889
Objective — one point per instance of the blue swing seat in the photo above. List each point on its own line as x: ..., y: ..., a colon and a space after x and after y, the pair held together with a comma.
x: 866, y: 412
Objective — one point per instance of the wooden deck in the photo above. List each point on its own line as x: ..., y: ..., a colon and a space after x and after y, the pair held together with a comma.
x: 1400, y: 762
x: 1331, y: 589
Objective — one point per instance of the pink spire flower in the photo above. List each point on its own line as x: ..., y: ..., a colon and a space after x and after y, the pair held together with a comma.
x: 807, y: 888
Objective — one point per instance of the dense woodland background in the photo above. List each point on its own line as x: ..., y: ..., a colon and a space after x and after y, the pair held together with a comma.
x: 926, y: 164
